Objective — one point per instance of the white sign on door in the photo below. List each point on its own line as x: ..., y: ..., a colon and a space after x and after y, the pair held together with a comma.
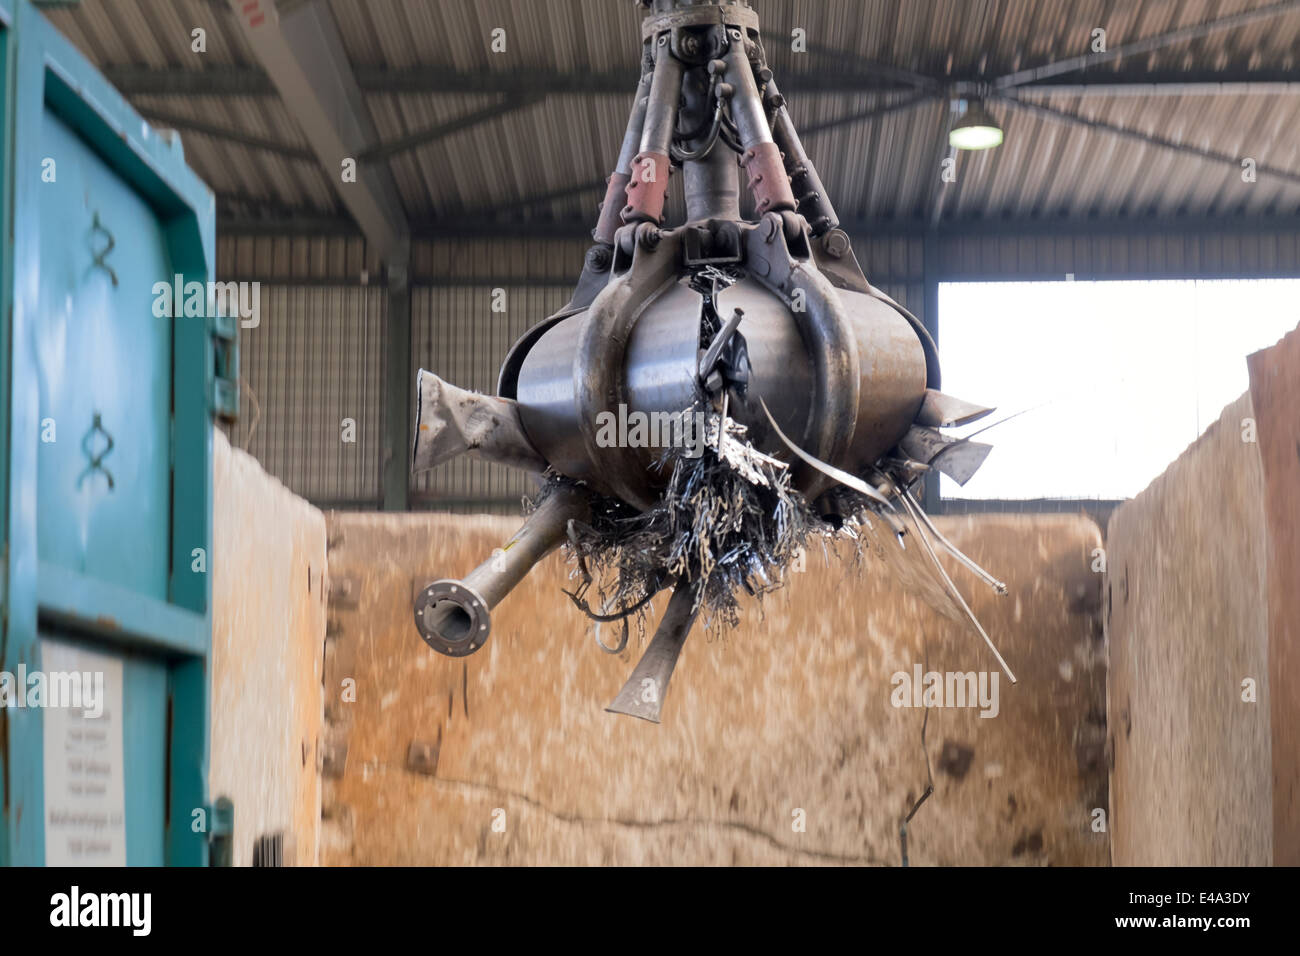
x: 85, y: 799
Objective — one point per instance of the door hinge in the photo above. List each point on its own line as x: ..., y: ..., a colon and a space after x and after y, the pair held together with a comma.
x: 221, y: 832
x: 224, y: 330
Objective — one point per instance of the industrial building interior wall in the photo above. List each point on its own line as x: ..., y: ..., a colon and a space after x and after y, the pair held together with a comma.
x: 312, y: 370
x: 461, y: 333
x: 1246, y: 250
x: 269, y: 587
x: 312, y: 364
x: 313, y: 367
x: 324, y: 311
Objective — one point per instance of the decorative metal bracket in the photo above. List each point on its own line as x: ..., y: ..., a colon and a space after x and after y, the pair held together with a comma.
x: 102, y: 254
x: 96, y: 459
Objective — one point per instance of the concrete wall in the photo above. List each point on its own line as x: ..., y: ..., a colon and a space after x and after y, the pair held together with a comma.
x: 269, y: 606
x: 1188, y: 622
x: 1275, y: 396
x: 791, y: 712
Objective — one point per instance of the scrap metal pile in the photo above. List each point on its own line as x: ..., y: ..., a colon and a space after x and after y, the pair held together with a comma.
x: 716, y: 394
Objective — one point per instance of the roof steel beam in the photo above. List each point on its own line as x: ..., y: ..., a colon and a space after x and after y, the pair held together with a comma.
x: 244, y: 214
x: 241, y: 81
x: 304, y: 58
x: 1149, y: 139
x: 443, y: 130
x: 214, y: 81
x: 914, y: 99
x: 511, y: 207
x: 1147, y: 44
x: 310, y: 223
x: 164, y: 120
x: 1158, y: 87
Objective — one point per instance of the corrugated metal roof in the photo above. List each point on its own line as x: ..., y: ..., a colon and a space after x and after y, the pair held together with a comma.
x: 155, y: 33
x: 880, y: 169
x: 233, y: 169
x: 931, y: 36
x: 570, y: 35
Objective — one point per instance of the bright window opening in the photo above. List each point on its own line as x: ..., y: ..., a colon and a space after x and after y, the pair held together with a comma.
x: 1112, y: 380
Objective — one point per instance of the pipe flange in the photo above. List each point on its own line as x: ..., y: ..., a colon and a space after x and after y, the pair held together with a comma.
x: 452, y: 618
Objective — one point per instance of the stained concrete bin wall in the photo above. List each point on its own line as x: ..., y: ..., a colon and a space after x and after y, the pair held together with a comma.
x: 268, y: 632
x: 1188, y: 602
x: 1204, y: 640
x: 1275, y: 397
x: 508, y: 756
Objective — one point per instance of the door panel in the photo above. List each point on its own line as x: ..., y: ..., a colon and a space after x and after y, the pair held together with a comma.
x: 104, y: 368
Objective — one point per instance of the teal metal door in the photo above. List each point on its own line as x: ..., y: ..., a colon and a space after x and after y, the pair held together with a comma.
x: 106, y: 408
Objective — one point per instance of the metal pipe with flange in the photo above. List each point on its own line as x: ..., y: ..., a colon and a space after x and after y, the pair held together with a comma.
x: 454, y: 616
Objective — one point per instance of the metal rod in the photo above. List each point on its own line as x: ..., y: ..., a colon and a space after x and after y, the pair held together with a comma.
x: 1160, y: 88
x: 768, y: 180
x: 810, y: 194
x: 719, y: 342
x: 990, y: 580
x: 665, y: 93
x: 952, y: 588
x: 648, y: 180
x: 913, y: 99
x: 385, y: 151
x: 636, y: 119
x: 611, y: 208
x: 712, y: 182
x: 746, y: 106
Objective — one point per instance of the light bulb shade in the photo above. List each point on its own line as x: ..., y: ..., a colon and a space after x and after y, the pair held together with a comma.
x: 977, y: 129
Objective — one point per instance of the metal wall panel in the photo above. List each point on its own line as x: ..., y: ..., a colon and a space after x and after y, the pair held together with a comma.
x: 472, y: 262
x: 1192, y: 254
x: 896, y: 266
x: 316, y: 358
x: 886, y: 259
x: 298, y: 260
x: 1000, y: 253
x: 456, y: 334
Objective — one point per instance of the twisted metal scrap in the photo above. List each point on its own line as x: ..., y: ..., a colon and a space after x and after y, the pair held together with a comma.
x: 728, y: 518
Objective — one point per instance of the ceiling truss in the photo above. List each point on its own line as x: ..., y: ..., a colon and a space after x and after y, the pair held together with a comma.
x: 1037, y: 90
